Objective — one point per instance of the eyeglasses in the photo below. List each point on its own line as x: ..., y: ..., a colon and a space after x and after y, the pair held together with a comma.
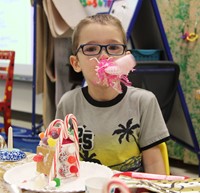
x: 95, y: 49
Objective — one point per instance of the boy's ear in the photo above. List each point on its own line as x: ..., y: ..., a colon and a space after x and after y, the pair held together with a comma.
x: 128, y: 52
x: 75, y: 63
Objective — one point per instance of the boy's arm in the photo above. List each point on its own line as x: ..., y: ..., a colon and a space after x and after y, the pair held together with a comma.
x: 153, y: 161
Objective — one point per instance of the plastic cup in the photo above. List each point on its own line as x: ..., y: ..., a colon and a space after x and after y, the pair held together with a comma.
x: 95, y: 184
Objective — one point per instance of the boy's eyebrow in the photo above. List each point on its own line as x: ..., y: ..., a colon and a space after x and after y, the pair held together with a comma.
x: 91, y: 42
x: 109, y: 42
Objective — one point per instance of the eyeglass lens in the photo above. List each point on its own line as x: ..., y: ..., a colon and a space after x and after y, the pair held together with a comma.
x: 112, y: 49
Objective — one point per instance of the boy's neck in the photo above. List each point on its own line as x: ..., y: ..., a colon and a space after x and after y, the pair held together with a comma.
x: 102, y: 93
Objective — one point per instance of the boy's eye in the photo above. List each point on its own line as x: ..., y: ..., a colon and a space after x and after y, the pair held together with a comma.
x: 113, y: 47
x: 90, y: 48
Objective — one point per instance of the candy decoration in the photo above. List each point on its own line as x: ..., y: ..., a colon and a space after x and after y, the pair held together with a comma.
x: 61, y: 145
x: 73, y: 169
x: 51, y: 142
x: 57, y: 123
x: 111, y: 73
x: 55, y: 132
x: 44, y: 140
x: 40, y: 181
x: 41, y: 135
x: 38, y: 158
x: 55, y: 135
x: 71, y: 159
x: 57, y: 180
x: 73, y: 136
x: 52, y: 184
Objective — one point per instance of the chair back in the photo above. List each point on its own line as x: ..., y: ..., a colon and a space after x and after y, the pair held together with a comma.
x: 159, y: 77
x: 6, y: 72
x: 165, y: 156
x: 6, y: 77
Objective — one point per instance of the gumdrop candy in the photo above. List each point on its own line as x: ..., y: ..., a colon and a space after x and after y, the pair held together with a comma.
x: 51, y: 142
x: 52, y: 184
x: 41, y: 135
x: 38, y: 158
x: 71, y: 159
x: 40, y: 181
x: 57, y: 180
x: 73, y: 169
x: 54, y: 134
x: 55, y: 130
x: 44, y: 140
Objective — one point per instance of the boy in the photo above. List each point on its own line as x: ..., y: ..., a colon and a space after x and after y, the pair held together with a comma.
x: 119, y: 130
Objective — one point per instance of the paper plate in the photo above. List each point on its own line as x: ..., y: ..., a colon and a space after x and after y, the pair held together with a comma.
x: 24, y: 174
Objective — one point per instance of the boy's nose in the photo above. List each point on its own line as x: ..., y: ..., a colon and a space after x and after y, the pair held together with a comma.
x: 103, y: 54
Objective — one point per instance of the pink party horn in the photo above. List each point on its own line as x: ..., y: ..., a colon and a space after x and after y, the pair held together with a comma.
x: 122, y: 65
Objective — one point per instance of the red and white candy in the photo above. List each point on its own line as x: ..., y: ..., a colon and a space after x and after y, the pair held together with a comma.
x: 116, y: 183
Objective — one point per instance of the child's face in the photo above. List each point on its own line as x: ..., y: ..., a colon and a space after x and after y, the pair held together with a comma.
x: 96, y: 34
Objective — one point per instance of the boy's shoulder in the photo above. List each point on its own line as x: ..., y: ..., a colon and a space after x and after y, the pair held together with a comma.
x: 139, y: 91
x: 72, y: 93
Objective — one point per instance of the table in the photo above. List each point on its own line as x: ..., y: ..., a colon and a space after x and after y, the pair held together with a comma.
x: 4, y: 166
x: 187, y: 186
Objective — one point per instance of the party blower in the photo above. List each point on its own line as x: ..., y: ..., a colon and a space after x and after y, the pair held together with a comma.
x: 112, y: 72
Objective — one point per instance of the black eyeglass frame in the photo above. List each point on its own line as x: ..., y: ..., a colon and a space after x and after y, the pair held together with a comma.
x: 101, y: 46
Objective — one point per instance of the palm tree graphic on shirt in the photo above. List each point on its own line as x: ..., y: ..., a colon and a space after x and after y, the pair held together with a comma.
x: 126, y: 131
x: 90, y: 158
x: 123, y: 131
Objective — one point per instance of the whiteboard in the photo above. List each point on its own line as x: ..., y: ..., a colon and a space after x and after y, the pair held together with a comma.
x: 124, y: 10
x: 16, y: 33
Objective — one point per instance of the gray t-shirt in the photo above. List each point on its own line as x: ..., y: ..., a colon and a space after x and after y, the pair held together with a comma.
x: 114, y: 133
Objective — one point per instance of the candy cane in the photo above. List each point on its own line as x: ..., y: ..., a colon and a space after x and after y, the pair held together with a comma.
x: 74, y: 137
x: 51, y: 126
x: 116, y: 183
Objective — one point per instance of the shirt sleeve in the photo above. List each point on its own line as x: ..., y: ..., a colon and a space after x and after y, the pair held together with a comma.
x: 153, y: 127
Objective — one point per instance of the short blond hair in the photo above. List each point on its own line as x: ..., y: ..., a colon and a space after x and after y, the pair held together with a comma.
x: 104, y: 19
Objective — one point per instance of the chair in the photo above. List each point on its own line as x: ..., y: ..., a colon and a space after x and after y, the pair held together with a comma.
x: 6, y: 77
x: 159, y: 77
x: 164, y: 151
